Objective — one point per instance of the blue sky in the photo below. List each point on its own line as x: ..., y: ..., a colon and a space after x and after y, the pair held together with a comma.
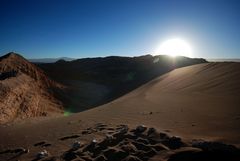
x: 78, y: 28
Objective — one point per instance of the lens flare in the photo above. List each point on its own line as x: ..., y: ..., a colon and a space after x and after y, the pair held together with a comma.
x: 66, y: 113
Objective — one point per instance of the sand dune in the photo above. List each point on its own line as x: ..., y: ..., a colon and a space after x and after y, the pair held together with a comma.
x: 200, y: 100
x: 195, y: 103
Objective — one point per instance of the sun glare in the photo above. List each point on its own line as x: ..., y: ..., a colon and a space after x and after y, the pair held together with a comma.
x: 174, y: 47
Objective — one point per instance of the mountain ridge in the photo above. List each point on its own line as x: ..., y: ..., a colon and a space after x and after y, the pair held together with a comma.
x: 115, y: 75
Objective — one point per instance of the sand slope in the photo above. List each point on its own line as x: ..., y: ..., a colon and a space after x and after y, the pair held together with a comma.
x: 199, y: 100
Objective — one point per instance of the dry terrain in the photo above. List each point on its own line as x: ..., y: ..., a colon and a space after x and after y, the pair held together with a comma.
x: 25, y: 91
x: 190, y: 113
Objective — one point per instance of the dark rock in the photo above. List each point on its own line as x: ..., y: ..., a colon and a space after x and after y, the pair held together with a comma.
x: 76, y: 145
x: 141, y: 146
x: 42, y: 154
x: 151, y: 131
x: 173, y: 142
x: 141, y: 140
x: 51, y: 159
x: 141, y: 129
x: 131, y: 136
x: 150, y: 153
x: 131, y: 158
x: 115, y: 155
x: 69, y: 155
x: 141, y: 154
x: 91, y: 147
x: 100, y: 158
x: 159, y: 147
x: 86, y: 158
x: 129, y: 147
x: 163, y: 136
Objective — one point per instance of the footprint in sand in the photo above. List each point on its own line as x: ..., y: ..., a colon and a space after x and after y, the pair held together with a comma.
x: 69, y: 137
x: 42, y: 144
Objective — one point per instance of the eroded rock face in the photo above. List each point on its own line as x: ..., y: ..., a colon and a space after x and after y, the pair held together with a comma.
x: 25, y: 91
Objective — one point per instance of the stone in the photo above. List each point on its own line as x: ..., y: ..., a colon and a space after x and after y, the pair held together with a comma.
x: 151, y: 131
x: 94, y: 141
x: 141, y: 128
x: 76, y: 145
x: 42, y: 154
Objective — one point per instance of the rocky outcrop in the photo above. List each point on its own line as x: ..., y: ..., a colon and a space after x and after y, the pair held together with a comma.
x: 25, y: 91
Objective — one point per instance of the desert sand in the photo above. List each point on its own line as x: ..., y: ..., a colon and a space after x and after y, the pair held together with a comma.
x: 185, y: 114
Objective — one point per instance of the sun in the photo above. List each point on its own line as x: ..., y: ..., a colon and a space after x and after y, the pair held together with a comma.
x: 174, y: 47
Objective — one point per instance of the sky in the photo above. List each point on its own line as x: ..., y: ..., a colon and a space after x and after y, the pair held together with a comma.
x: 94, y: 28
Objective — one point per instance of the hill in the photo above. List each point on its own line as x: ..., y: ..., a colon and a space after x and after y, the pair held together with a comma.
x: 25, y: 91
x: 49, y: 60
x: 96, y: 81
